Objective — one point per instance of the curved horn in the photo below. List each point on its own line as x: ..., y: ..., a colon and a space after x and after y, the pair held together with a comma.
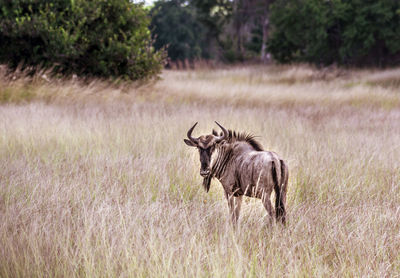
x: 189, y: 134
x: 220, y: 138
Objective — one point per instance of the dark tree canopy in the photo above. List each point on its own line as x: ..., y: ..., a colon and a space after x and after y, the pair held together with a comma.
x: 355, y: 32
x: 112, y: 38
x: 217, y: 29
x: 175, y: 27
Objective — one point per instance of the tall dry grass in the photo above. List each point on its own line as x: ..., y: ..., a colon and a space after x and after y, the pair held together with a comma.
x: 96, y: 181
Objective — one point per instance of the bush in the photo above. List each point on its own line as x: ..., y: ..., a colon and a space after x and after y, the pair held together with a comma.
x: 355, y: 32
x: 91, y: 38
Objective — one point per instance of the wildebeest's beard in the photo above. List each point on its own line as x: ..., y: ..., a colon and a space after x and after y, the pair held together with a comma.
x: 205, y: 160
x: 207, y: 182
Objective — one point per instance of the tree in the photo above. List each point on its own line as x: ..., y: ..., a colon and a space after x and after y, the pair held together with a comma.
x: 215, y: 15
x: 251, y: 21
x: 355, y: 32
x: 90, y: 38
x: 240, y: 27
x: 175, y: 27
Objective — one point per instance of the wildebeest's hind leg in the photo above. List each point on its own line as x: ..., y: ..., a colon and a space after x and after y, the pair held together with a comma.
x: 267, y: 204
x: 279, y: 202
x: 234, y: 204
x: 283, y: 191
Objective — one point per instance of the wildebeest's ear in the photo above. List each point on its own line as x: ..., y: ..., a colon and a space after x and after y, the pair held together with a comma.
x: 189, y: 143
x: 214, y: 133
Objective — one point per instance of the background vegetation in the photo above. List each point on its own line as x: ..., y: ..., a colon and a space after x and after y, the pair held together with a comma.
x: 176, y: 28
x: 355, y: 33
x: 95, y: 180
x: 125, y: 39
x: 343, y: 32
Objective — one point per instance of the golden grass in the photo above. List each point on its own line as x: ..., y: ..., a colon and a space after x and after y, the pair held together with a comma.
x: 95, y: 180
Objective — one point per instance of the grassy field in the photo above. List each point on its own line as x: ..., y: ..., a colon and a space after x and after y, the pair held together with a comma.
x: 95, y: 179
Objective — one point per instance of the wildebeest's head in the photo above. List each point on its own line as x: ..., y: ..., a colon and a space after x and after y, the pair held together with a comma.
x: 206, y: 145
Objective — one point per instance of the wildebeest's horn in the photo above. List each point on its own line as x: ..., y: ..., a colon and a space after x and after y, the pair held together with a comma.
x: 189, y: 134
x: 220, y: 138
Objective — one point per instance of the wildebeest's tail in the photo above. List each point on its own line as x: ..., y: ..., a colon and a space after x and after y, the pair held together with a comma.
x: 280, y: 188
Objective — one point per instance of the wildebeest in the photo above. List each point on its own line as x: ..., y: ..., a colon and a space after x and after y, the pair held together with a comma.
x: 243, y: 168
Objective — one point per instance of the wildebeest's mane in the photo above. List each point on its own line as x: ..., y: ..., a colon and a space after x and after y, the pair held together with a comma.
x: 235, y: 136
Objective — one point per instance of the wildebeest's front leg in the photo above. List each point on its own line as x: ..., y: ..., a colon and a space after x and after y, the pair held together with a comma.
x: 234, y: 204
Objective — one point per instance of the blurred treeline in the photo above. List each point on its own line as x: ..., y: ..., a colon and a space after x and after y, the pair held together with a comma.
x: 323, y: 32
x: 126, y: 39
x: 223, y: 30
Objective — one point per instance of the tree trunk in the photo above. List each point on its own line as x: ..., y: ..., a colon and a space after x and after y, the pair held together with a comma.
x: 265, y: 56
x: 237, y: 26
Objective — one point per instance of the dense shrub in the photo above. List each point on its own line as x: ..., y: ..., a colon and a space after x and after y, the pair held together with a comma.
x: 355, y: 32
x: 105, y: 38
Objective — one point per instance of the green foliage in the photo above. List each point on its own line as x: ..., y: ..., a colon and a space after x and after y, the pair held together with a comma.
x: 352, y: 32
x: 214, y: 14
x: 210, y: 29
x: 175, y: 26
x: 91, y: 38
x: 236, y: 27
